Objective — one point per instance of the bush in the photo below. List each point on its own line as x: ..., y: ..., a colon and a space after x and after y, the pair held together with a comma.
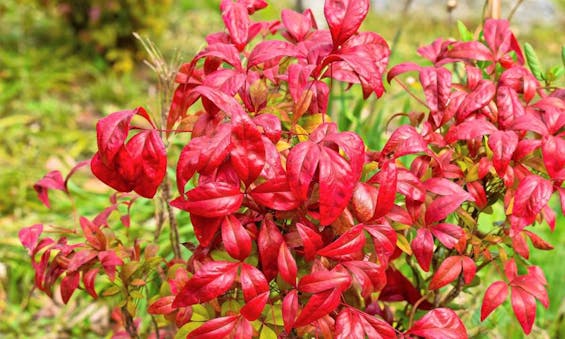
x: 301, y: 230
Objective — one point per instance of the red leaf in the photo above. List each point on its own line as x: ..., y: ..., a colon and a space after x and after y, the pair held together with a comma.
x: 311, y: 240
x: 301, y: 165
x: 469, y: 130
x: 347, y: 246
x: 29, y: 236
x: 147, y: 152
x: 503, y: 145
x: 405, y: 140
x: 368, y: 276
x: 439, y: 323
x: 218, y: 328
x: 269, y: 50
x: 268, y: 244
x: 275, y: 194
x: 437, y: 88
x: 210, y: 200
x: 402, y: 68
x: 212, y: 280
x: 364, y: 201
x: 344, y: 18
x: 452, y: 196
x: 387, y: 178
x: 481, y: 95
x: 384, y: 240
x: 297, y: 24
x: 423, y: 248
x: 205, y: 229
x: 553, y: 157
x: 495, y: 295
x: 236, y: 19
x: 447, y: 234
x: 52, y: 180
x: 109, y: 261
x: 235, y: 238
x: 473, y: 50
x: 538, y: 242
x: 80, y: 258
x: 450, y: 269
x: 290, y: 309
x: 524, y: 306
x: 287, y: 265
x: 352, y: 323
x: 321, y: 281
x: 162, y: 305
x: 532, y: 194
x: 68, y: 285
x: 253, y: 282
x: 112, y: 132
x: 88, y: 281
x: 318, y: 306
x: 253, y: 308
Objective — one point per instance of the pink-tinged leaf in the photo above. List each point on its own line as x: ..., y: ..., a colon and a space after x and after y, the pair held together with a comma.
x: 384, y: 240
x: 68, y: 285
x: 269, y: 50
x: 367, y: 276
x: 531, y: 196
x: 399, y: 288
x: 344, y: 18
x: 423, y: 248
x: 439, y: 323
x: 521, y: 80
x: 215, y: 199
x: 405, y: 140
x: 553, y: 157
x: 29, y: 236
x: 387, y: 178
x: 290, y: 309
x: 321, y: 281
x: 271, y: 126
x: 301, y: 166
x: 88, y: 279
x: 347, y: 246
x: 112, y: 132
x: 268, y: 243
x: 469, y: 269
x: 352, y: 323
x: 80, y: 258
x: 225, y: 52
x: 447, y: 234
x: 509, y: 106
x: 364, y: 201
x: 109, y: 261
x: 94, y: 236
x: 533, y: 283
x: 235, y: 238
x: 469, y: 129
x: 253, y: 282
x: 275, y: 194
x: 524, y: 306
x: 495, y: 295
x: 402, y: 68
x: 52, y: 180
x: 500, y: 39
x: 530, y: 122
x: 297, y: 24
x: 218, y: 328
x: 437, y: 87
x: 510, y: 269
x: 477, y: 99
x: 520, y: 246
x: 205, y: 229
x: 503, y: 145
x: 318, y: 306
x: 473, y: 50
x: 311, y: 240
x: 253, y: 308
x: 447, y: 272
x: 220, y: 100
x: 538, y: 242
x: 236, y: 19
x: 287, y: 264
x: 147, y: 151
x: 452, y: 196
x: 162, y: 305
x: 210, y: 281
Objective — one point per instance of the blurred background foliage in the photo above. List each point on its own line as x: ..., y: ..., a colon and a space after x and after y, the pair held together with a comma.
x: 66, y: 63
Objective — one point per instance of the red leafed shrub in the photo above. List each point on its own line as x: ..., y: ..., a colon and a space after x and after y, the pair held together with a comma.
x: 303, y: 231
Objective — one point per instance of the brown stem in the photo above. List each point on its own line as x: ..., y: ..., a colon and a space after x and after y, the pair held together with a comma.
x: 415, y: 307
x: 130, y: 325
x: 514, y: 9
x: 174, y: 236
x: 455, y: 291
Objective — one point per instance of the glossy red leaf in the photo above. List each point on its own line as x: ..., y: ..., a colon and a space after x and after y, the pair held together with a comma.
x: 147, y: 151
x: 205, y: 229
x: 318, y: 306
x: 268, y: 243
x: 321, y: 281
x: 210, y: 200
x: 436, y: 83
x: 405, y: 140
x: 212, y: 280
x: 451, y: 197
x: 297, y: 24
x: 112, y: 132
x: 270, y: 50
x: 473, y: 50
x: 553, y: 157
x: 439, y: 323
x: 384, y: 240
x: 252, y: 281
x: 52, y: 180
x: 109, y: 260
x: 447, y: 234
x: 538, y: 242
x: 237, y: 22
x: 68, y: 285
x: 88, y: 279
x: 275, y: 194
x: 495, y: 295
x: 80, y: 258
x: 364, y: 201
x: 503, y: 145
x: 451, y: 268
x: 162, y: 305
x: 367, y: 276
x: 287, y: 264
x: 290, y: 310
x: 423, y: 248
x: 352, y: 323
x: 301, y: 165
x: 532, y: 194
x: 404, y: 67
x: 344, y: 18
x: 218, y: 328
x: 253, y: 308
x: 235, y: 238
x: 387, y: 178
x: 500, y: 39
x: 311, y: 240
x: 478, y: 98
x: 29, y: 236
x: 270, y: 125
x: 347, y: 246
x: 524, y: 307
x: 469, y: 129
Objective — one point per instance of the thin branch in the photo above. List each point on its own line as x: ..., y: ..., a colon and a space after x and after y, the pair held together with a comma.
x: 514, y: 9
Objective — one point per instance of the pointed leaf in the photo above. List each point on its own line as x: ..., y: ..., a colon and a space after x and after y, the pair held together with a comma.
x: 29, y: 236
x: 344, y: 18
x: 524, y: 307
x: 287, y: 264
x: 215, y: 199
x: 52, y: 180
x: 218, y: 328
x: 321, y: 281
x: 531, y: 196
x: 423, y: 248
x: 495, y: 295
x: 439, y: 323
x: 318, y: 306
x: 346, y: 246
x: 162, y: 305
x: 235, y: 238
x: 290, y: 309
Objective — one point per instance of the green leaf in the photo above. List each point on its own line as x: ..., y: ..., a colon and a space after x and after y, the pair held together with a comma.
x: 563, y: 55
x: 199, y: 313
x: 465, y: 34
x: 273, y: 314
x: 267, y: 333
x: 533, y: 61
x: 183, y: 332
